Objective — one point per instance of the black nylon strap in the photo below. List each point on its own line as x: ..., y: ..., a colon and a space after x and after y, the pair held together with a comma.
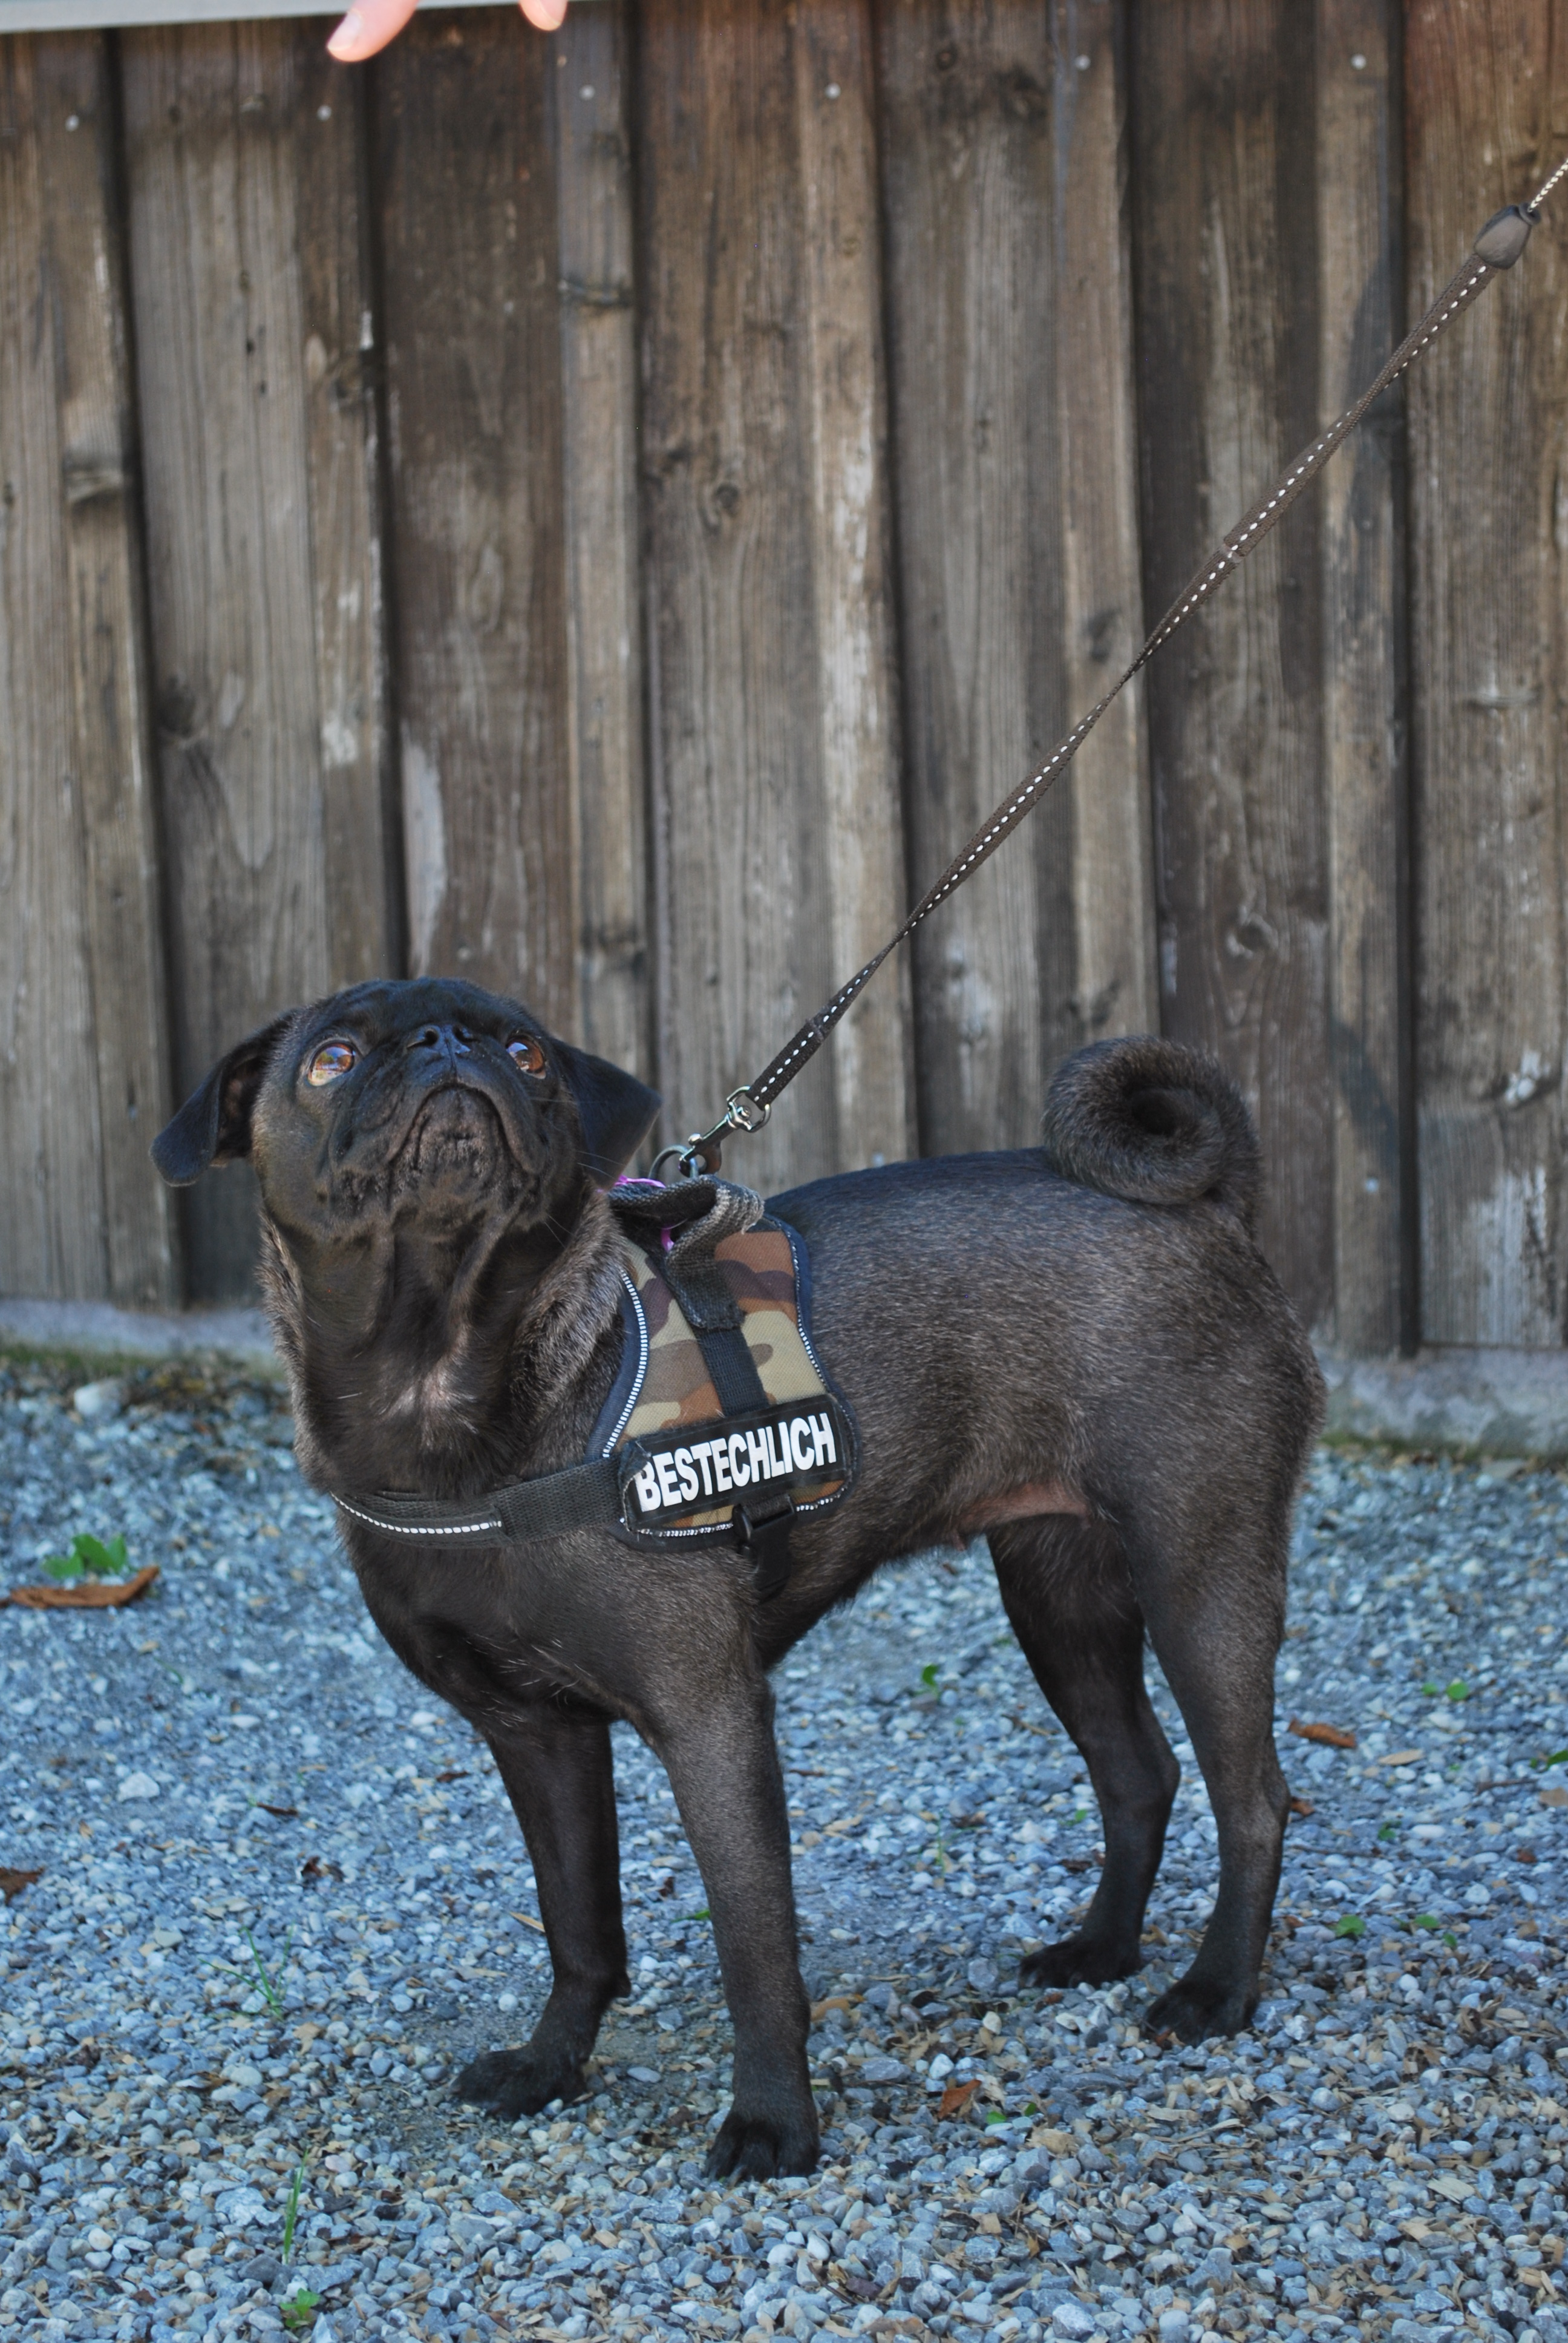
x: 733, y: 1370
x: 582, y: 1497
x: 585, y: 1497
x: 714, y: 1316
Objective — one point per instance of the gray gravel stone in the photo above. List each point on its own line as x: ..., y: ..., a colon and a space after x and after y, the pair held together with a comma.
x: 264, y: 1969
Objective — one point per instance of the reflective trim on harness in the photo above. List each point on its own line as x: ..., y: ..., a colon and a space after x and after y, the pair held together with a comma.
x: 720, y: 1425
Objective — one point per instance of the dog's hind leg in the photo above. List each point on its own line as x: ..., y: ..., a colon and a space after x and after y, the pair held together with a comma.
x: 1214, y: 1602
x: 1066, y: 1590
x: 559, y: 1774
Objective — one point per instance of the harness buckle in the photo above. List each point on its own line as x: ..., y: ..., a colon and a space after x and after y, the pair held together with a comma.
x: 762, y: 1531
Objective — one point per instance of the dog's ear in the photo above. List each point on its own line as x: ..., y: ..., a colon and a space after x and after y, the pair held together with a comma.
x: 615, y: 1109
x: 214, y: 1124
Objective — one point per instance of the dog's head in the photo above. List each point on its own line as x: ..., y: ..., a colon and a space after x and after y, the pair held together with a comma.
x: 426, y: 1106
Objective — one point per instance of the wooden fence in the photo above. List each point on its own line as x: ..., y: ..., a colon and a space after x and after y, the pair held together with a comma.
x: 604, y: 515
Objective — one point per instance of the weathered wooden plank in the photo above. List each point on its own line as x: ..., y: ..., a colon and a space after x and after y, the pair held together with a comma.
x: 83, y: 1072
x: 360, y: 817
x: 1360, y: 289
x: 766, y: 561
x: 262, y: 571
x: 1487, y: 110
x: 873, y: 1052
x: 1115, y: 986
x: 105, y: 622
x: 472, y: 336
x: 591, y: 92
x: 966, y: 90
x: 1228, y: 361
x: 1014, y: 431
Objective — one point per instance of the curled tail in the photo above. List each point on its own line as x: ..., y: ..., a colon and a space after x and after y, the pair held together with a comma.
x: 1156, y: 1123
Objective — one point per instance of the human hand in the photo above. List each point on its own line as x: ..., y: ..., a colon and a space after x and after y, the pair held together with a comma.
x: 371, y: 23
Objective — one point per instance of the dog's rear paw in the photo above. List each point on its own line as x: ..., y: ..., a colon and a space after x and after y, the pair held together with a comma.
x: 512, y: 2083
x: 1194, y: 2008
x: 763, y: 2147
x: 1077, y: 1960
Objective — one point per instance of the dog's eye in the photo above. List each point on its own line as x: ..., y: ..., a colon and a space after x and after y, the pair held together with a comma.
x: 332, y: 1059
x: 527, y: 1056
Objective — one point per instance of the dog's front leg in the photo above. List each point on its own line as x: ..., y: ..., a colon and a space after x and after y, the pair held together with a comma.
x: 559, y: 1774
x: 723, y: 1766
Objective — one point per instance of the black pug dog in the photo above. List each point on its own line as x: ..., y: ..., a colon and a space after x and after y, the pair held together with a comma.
x: 1076, y: 1348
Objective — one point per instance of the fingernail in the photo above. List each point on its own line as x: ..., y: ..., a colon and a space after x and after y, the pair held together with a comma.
x: 345, y: 39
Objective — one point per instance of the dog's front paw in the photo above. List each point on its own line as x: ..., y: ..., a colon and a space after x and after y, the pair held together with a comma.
x: 1078, y: 1960
x: 1195, y: 2008
x: 512, y: 2083
x: 763, y: 2146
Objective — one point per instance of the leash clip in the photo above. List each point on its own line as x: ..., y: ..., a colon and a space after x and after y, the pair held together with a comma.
x: 701, y: 1155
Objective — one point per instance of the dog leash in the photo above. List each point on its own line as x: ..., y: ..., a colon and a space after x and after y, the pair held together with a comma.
x: 1496, y: 248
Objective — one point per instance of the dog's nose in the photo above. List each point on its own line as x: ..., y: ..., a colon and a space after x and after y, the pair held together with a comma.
x: 455, y: 1040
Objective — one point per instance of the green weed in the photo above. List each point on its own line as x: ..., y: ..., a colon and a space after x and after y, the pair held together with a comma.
x: 291, y: 2211
x: 1351, y: 1925
x: 258, y: 1977
x: 89, y: 1558
x: 299, y: 2305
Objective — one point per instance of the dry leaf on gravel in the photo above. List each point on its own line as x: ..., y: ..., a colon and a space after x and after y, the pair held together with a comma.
x: 956, y: 2098
x: 1332, y: 1736
x: 12, y: 1882
x: 93, y: 1595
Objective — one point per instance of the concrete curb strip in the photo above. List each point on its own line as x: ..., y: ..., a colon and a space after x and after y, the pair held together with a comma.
x: 96, y: 1329
x: 1488, y: 1402
x: 1475, y: 1401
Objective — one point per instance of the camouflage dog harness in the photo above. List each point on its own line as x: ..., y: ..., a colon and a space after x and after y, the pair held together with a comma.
x: 720, y: 1427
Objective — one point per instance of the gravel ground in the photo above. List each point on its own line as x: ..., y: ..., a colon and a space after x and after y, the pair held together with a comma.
x: 282, y: 1898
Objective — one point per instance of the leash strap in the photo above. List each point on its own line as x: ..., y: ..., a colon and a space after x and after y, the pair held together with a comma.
x: 1497, y: 247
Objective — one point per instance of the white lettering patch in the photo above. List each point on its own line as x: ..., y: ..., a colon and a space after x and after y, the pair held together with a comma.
x: 800, y: 1446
